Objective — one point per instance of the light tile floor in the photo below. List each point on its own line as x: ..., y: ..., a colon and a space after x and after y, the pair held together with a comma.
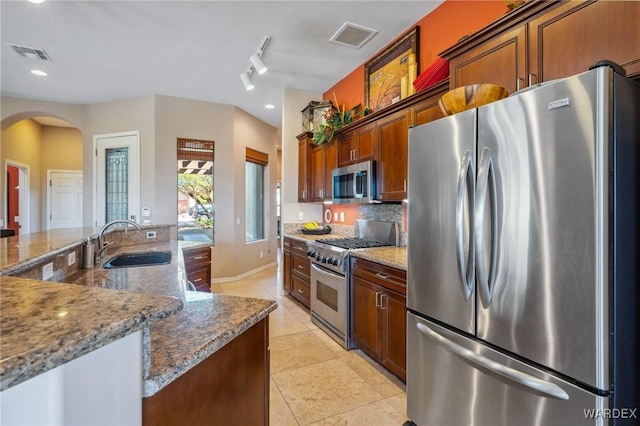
x: 314, y: 381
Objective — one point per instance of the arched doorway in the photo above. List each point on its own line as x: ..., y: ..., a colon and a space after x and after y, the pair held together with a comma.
x: 42, y: 152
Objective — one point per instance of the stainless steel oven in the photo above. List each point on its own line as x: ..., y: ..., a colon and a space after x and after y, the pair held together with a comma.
x: 330, y: 295
x: 330, y: 303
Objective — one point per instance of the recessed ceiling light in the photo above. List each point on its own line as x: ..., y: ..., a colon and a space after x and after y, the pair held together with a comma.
x: 36, y: 1
x: 269, y: 106
x: 39, y: 73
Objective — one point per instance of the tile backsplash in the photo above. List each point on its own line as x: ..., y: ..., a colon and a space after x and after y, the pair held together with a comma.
x: 381, y: 212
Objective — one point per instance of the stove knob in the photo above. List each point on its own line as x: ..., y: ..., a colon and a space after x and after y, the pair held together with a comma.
x: 323, y: 260
x: 311, y: 253
x: 336, y: 262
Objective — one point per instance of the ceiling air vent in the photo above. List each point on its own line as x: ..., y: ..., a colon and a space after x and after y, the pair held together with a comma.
x: 30, y: 52
x: 353, y: 35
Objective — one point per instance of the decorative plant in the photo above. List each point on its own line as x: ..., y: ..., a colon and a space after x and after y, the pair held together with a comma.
x: 335, y: 118
x: 514, y: 4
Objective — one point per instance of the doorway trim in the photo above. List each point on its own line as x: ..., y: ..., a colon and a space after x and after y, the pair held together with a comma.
x: 48, y: 184
x: 24, y: 209
x: 134, y: 178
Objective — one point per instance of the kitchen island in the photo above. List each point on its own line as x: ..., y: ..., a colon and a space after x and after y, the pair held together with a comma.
x: 183, y: 342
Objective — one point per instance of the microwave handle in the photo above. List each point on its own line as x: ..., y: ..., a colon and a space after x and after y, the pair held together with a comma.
x: 355, y: 185
x: 358, y: 191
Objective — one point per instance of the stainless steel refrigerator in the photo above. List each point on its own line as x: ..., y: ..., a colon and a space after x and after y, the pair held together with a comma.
x: 524, y: 241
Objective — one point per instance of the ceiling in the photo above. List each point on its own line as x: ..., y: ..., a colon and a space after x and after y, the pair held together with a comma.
x: 107, y: 50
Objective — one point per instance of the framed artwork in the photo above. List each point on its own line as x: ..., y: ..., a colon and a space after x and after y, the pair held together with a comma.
x: 383, y: 75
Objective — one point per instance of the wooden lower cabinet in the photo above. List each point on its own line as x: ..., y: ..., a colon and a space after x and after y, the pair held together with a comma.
x: 379, y: 314
x: 229, y: 387
x: 197, y: 262
x: 297, y: 270
x: 286, y: 271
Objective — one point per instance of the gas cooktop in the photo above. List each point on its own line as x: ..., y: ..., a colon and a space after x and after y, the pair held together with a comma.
x: 353, y: 243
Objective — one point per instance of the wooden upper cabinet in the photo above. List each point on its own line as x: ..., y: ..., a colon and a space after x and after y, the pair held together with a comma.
x: 330, y: 163
x: 323, y: 159
x: 568, y: 39
x: 500, y: 60
x: 543, y: 41
x: 391, y: 167
x: 316, y: 165
x: 304, y: 146
x: 357, y: 145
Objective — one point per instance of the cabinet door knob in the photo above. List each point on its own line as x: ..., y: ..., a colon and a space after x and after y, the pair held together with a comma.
x: 381, y: 304
x: 518, y: 80
x: 383, y: 276
x: 300, y: 291
x: 377, y: 302
x: 531, y: 77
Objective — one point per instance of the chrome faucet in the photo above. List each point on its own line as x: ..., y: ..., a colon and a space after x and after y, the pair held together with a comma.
x: 102, y: 244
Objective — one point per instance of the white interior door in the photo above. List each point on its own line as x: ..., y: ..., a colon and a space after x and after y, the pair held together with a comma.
x: 65, y: 198
x: 117, y: 177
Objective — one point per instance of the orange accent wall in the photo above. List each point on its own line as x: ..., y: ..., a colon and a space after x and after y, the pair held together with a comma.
x: 439, y: 30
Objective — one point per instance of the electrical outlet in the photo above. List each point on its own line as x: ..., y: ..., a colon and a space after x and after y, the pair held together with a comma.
x: 47, y: 271
x: 151, y: 234
x: 71, y: 259
x: 300, y: 215
x: 335, y: 217
x: 341, y: 216
x: 261, y: 255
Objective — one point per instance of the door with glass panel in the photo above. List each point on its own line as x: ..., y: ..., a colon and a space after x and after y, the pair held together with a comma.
x: 117, y: 177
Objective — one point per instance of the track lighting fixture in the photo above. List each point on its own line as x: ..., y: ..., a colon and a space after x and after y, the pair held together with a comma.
x: 256, y: 64
x: 246, y: 80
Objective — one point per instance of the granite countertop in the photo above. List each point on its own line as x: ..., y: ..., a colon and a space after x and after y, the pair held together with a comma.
x: 46, y: 324
x: 24, y: 249
x: 178, y: 342
x: 206, y: 323
x: 396, y: 257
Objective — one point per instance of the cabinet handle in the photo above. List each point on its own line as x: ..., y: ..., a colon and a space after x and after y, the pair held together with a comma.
x: 355, y: 154
x: 199, y: 257
x: 518, y: 83
x: 405, y: 185
x: 300, y: 291
x: 199, y: 279
x: 304, y: 194
x: 381, y: 304
x: 531, y: 77
x: 384, y: 277
x: 377, y: 303
x: 300, y: 267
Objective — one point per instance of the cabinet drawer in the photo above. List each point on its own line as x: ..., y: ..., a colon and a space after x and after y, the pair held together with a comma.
x: 287, y: 244
x: 301, y: 266
x: 386, y: 276
x: 196, y: 256
x: 300, y: 290
x: 199, y: 277
x: 299, y: 247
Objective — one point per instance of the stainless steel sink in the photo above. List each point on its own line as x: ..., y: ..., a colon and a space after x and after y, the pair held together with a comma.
x: 146, y: 258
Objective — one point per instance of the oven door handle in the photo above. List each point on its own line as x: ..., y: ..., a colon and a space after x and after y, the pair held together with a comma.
x: 325, y: 272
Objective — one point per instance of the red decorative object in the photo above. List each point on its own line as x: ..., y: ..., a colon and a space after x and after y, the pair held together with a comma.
x: 436, y: 72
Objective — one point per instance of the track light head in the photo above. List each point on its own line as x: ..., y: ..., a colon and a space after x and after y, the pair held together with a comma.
x: 246, y: 80
x: 257, y: 63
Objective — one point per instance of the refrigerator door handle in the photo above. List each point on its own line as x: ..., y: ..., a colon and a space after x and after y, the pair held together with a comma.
x: 486, y: 184
x: 550, y: 390
x: 466, y: 185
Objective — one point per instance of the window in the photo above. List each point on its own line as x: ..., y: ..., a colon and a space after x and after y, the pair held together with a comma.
x: 254, y: 193
x: 195, y: 190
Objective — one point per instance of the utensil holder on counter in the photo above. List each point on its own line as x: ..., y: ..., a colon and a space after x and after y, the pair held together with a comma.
x: 88, y: 255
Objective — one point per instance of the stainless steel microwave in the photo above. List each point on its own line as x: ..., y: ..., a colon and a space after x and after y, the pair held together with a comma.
x: 354, y: 184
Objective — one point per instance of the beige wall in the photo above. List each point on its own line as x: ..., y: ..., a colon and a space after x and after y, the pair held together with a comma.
x: 125, y: 115
x: 160, y: 121
x: 294, y: 102
x: 22, y: 143
x: 250, y: 132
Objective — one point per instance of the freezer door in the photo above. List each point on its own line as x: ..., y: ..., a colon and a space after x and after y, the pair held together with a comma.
x: 441, y: 280
x: 454, y: 380
x: 541, y: 253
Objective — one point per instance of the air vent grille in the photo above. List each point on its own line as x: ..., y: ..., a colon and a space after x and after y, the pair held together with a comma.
x: 353, y: 35
x: 30, y: 52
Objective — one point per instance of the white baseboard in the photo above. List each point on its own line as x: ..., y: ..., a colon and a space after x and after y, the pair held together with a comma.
x: 242, y: 276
